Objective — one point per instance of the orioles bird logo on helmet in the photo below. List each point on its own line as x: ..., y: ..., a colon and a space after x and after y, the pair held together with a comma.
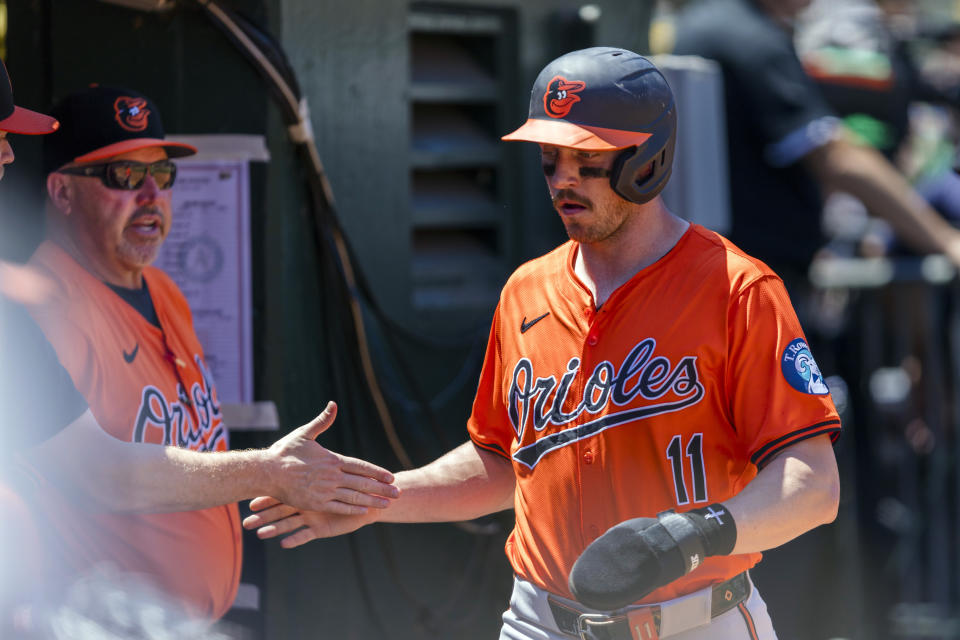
x: 561, y: 96
x: 131, y: 113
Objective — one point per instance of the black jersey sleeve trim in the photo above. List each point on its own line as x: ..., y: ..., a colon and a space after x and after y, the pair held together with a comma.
x: 492, y: 448
x: 762, y: 451
x: 765, y: 455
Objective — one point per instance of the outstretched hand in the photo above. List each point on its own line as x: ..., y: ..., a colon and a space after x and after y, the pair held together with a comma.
x: 272, y: 518
x: 307, y: 476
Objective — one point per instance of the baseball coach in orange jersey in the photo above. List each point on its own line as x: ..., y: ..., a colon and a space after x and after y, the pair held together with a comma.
x: 648, y: 405
x: 123, y: 332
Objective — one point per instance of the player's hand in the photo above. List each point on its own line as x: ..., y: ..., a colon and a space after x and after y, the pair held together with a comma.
x: 306, y: 475
x: 637, y: 556
x: 272, y: 518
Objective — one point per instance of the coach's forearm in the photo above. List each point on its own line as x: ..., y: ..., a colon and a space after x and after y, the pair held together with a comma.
x: 123, y: 476
x: 195, y: 480
x: 108, y: 474
x: 464, y: 484
x: 797, y: 491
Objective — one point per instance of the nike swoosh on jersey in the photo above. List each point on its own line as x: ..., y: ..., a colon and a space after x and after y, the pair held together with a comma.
x: 130, y: 357
x: 524, y: 325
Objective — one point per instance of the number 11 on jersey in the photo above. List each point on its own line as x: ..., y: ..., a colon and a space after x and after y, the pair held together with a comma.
x: 697, y: 472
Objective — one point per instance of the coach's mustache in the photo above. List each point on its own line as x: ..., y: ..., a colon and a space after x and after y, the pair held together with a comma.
x: 148, y: 211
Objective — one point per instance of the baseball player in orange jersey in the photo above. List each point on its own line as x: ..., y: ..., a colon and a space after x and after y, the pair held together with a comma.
x: 648, y: 404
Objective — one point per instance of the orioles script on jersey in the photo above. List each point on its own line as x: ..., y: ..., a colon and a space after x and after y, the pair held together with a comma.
x: 641, y: 373
x: 179, y: 428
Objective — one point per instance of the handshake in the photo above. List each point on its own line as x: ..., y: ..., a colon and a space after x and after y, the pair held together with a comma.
x: 635, y: 557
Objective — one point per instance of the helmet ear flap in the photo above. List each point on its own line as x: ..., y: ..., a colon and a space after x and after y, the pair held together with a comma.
x: 617, y: 171
x: 640, y: 173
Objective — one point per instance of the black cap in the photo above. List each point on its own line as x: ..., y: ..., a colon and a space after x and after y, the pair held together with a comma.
x: 17, y: 119
x: 100, y: 122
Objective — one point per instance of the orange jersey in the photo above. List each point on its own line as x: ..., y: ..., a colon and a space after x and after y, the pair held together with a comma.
x: 672, y: 395
x: 143, y: 384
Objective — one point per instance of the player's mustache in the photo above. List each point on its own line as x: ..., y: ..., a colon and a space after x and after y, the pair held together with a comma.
x: 571, y: 196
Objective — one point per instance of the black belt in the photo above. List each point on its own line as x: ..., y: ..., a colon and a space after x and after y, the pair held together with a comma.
x: 726, y: 595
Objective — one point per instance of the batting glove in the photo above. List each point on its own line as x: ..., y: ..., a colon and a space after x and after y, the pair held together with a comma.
x: 637, y: 556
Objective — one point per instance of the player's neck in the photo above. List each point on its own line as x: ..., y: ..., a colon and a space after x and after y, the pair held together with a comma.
x: 604, y: 267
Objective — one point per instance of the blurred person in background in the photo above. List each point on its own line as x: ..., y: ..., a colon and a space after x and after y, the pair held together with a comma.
x: 115, y: 509
x: 22, y: 343
x: 787, y: 148
x: 863, y: 57
x: 787, y: 151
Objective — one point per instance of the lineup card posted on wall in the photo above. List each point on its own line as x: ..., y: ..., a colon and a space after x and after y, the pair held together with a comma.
x: 207, y: 253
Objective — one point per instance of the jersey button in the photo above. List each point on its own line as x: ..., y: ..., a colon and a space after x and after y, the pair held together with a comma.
x: 588, y: 457
x: 593, y: 339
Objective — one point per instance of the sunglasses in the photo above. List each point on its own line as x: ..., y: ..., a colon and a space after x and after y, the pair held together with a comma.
x: 128, y: 175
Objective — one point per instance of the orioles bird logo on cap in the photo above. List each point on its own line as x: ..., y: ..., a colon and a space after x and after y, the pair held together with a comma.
x: 561, y: 95
x: 131, y: 113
